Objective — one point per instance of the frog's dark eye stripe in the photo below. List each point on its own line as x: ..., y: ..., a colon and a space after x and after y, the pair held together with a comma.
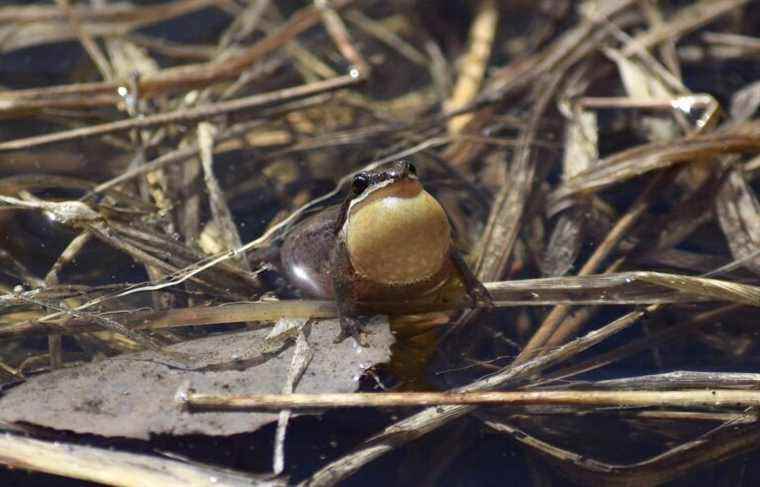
x: 360, y: 183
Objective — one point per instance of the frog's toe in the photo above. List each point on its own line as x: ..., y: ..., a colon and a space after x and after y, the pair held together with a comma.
x: 351, y: 327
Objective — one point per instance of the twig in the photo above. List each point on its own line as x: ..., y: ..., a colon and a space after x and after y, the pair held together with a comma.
x: 172, y: 79
x: 189, y: 115
x: 430, y: 419
x: 106, y: 466
x: 100, y: 60
x: 68, y: 255
x: 51, y: 279
x: 387, y: 36
x: 106, y: 13
x: 642, y: 159
x: 718, y: 444
x: 170, y: 49
x: 695, y: 398
x: 645, y: 288
x: 193, y: 316
x: 222, y: 217
x: 173, y: 157
x: 482, y: 33
x: 551, y: 323
x: 302, y: 356
x: 342, y: 39
x: 687, y: 19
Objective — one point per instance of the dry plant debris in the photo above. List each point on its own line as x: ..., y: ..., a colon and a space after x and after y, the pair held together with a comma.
x: 598, y: 158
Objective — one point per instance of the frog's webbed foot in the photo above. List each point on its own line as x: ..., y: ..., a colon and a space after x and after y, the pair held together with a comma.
x: 477, y: 292
x: 352, y: 327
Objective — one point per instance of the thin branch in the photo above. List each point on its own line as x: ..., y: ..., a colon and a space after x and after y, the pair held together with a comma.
x: 183, y: 116
x: 697, y: 398
x: 106, y: 466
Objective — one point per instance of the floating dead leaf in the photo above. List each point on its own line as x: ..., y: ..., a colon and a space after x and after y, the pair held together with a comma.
x: 133, y: 395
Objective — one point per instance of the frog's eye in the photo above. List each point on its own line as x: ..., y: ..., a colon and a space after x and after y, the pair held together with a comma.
x: 360, y: 183
x: 412, y: 169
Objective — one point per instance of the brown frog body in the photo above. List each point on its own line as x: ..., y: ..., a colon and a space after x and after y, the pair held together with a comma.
x: 390, y: 241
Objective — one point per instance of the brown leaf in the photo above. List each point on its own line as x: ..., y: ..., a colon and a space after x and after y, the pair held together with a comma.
x: 133, y: 395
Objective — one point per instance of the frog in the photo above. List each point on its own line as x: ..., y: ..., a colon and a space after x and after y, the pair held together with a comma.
x: 390, y: 241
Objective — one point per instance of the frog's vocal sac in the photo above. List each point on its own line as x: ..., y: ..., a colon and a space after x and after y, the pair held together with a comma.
x: 390, y: 240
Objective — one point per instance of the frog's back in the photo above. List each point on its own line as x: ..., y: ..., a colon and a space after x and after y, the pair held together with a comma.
x: 306, y: 254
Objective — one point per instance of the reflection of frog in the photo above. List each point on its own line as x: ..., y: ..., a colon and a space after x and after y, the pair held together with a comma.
x: 389, y: 241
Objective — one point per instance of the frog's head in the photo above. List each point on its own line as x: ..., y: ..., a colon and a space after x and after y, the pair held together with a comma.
x: 367, y: 182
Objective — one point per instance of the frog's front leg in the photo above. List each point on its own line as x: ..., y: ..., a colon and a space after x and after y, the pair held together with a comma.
x: 475, y: 289
x: 345, y: 300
